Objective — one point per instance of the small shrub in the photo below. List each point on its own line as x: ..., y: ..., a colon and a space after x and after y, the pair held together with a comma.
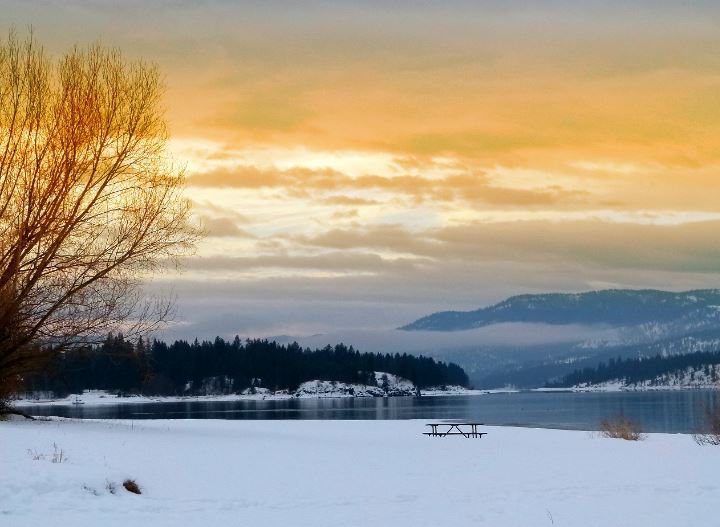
x: 621, y: 427
x: 710, y: 433
x: 131, y: 486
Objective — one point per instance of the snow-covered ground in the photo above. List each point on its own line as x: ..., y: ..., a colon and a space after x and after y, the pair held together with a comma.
x: 395, y: 386
x: 347, y: 473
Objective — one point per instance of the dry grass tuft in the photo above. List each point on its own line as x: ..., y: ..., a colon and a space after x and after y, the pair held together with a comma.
x: 58, y: 455
x: 131, y: 486
x: 35, y: 455
x: 620, y: 427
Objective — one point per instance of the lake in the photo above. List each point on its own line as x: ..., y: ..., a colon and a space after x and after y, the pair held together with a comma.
x: 671, y: 411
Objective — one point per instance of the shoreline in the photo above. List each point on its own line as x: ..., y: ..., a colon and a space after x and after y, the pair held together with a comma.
x: 625, y: 388
x: 101, y: 398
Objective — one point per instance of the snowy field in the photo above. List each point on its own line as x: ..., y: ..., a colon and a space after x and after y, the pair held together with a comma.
x: 347, y: 473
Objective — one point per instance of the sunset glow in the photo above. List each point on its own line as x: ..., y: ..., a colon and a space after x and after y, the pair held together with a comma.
x: 354, y: 152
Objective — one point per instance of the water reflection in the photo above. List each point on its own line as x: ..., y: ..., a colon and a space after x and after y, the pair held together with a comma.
x: 654, y: 411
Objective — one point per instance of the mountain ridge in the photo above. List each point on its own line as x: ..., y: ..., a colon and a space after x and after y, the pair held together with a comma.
x: 613, y: 307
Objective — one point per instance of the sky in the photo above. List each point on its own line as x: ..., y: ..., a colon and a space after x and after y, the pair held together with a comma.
x: 357, y: 165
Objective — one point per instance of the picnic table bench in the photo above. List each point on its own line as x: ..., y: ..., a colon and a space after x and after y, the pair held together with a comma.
x: 454, y: 429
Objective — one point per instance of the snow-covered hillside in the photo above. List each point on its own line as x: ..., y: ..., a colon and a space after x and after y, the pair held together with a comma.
x: 686, y: 379
x: 636, y: 323
x: 197, y: 473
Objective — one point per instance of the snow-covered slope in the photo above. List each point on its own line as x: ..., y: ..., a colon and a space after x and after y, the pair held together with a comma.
x: 686, y: 379
x: 636, y: 323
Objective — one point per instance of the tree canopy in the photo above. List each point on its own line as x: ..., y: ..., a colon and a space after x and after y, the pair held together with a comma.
x: 221, y: 366
x: 89, y: 204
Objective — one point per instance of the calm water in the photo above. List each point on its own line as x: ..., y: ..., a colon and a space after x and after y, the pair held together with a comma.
x: 654, y: 411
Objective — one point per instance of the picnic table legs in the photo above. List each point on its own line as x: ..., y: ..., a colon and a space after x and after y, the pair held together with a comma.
x: 455, y: 429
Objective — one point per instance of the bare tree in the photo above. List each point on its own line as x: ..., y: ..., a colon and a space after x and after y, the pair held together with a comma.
x: 89, y: 204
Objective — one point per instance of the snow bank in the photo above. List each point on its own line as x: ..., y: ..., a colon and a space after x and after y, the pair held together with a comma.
x: 347, y: 473
x: 101, y: 397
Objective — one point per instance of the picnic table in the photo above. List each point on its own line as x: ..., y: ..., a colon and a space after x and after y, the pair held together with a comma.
x: 454, y: 429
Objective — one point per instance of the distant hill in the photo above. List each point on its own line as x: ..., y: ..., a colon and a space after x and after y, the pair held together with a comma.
x: 613, y: 307
x: 699, y: 369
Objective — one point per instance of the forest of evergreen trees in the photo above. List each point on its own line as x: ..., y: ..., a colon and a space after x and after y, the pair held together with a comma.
x: 635, y: 370
x: 221, y: 366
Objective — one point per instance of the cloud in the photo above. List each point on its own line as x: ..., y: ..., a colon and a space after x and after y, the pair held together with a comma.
x: 674, y: 248
x: 218, y: 210
x: 383, y: 276
x: 330, y: 261
x: 312, y: 304
x: 349, y: 200
x: 495, y: 81
x: 610, y: 108
x: 473, y: 187
x: 393, y: 238
x: 240, y: 177
x: 223, y: 228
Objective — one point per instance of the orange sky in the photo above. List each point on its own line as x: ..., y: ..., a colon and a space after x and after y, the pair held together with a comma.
x: 425, y: 156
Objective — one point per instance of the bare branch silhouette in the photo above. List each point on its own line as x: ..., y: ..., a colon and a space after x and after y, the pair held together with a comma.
x: 89, y: 204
